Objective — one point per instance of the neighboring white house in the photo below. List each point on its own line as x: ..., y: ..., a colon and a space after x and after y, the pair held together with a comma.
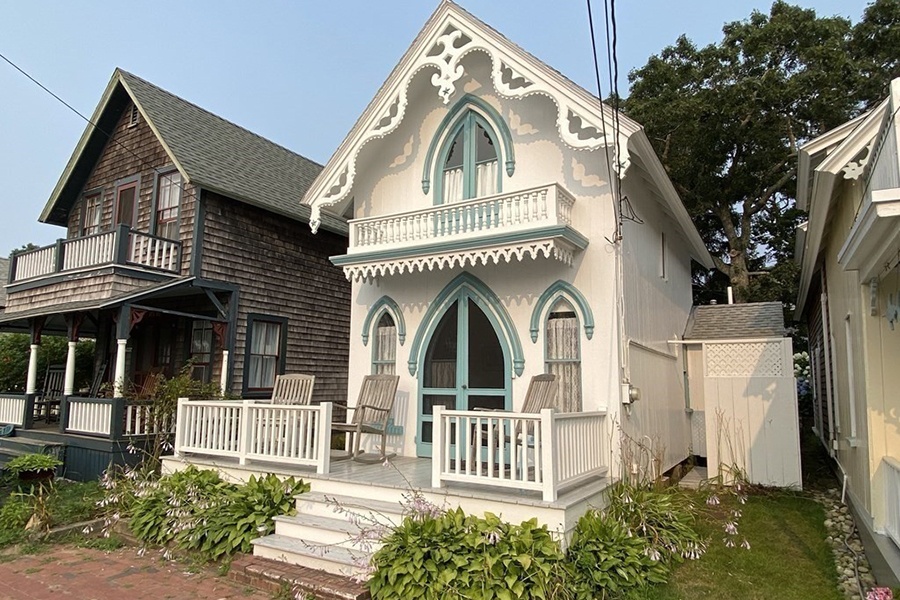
x: 506, y: 224
x: 849, y: 183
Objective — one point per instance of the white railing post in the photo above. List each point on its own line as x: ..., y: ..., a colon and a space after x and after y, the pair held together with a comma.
x: 244, y: 434
x: 437, y: 445
x: 323, y: 433
x: 548, y: 455
x: 180, y: 426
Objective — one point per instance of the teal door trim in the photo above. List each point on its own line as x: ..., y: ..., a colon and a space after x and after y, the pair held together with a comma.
x: 464, y: 296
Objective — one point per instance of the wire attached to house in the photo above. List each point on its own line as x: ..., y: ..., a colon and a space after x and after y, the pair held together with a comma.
x: 108, y: 135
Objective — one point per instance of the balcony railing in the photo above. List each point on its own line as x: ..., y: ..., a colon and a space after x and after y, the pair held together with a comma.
x: 524, y: 210
x: 121, y: 246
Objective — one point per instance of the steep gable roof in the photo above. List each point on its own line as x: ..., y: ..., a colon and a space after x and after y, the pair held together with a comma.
x: 733, y: 321
x: 208, y: 150
x: 583, y: 121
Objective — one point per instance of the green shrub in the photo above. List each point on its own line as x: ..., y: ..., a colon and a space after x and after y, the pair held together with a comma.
x: 663, y: 517
x: 32, y: 462
x: 454, y: 555
x: 14, y: 515
x: 608, y: 559
x: 195, y: 510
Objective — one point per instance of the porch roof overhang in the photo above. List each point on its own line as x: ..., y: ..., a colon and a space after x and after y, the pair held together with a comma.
x: 875, y: 235
x: 560, y: 242
x: 55, y: 322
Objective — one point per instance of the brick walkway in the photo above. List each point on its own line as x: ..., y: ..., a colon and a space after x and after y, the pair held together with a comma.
x: 86, y: 574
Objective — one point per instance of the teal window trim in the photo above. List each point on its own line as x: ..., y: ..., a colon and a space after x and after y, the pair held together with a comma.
x: 379, y: 362
x: 487, y: 301
x: 492, y: 122
x: 567, y: 291
x: 384, y: 304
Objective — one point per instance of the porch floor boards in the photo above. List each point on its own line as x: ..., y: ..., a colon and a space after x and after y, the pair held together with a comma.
x: 407, y: 473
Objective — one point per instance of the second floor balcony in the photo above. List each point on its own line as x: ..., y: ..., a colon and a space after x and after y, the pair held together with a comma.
x: 119, y: 246
x: 505, y: 226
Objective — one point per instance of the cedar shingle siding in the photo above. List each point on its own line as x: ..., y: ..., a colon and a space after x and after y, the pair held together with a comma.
x: 283, y: 271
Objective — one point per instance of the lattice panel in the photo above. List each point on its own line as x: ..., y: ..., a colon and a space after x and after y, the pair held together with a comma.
x: 744, y: 359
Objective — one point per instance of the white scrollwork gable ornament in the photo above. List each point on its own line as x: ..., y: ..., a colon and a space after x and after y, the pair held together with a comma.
x: 855, y: 169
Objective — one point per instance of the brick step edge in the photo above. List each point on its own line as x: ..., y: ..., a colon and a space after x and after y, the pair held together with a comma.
x: 272, y: 576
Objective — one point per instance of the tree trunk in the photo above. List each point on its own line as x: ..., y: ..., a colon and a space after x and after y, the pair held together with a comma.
x: 739, y: 277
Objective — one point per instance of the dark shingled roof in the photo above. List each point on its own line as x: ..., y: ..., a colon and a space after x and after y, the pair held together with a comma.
x: 221, y: 156
x: 732, y: 321
x: 211, y: 152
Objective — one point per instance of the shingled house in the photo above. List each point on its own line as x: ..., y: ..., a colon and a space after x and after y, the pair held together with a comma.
x: 183, y: 241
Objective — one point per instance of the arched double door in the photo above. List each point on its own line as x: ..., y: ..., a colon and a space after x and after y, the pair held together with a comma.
x: 465, y: 365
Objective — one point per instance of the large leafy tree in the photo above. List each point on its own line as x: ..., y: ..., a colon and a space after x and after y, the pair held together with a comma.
x: 726, y: 120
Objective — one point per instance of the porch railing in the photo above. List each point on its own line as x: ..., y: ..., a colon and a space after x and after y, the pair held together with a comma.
x: 297, y: 435
x: 91, y: 416
x: 119, y: 246
x: 12, y: 409
x: 502, y: 213
x: 544, y: 452
x: 892, y: 498
x: 140, y: 421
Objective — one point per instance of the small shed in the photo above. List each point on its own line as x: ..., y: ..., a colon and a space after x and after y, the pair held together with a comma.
x: 741, y: 392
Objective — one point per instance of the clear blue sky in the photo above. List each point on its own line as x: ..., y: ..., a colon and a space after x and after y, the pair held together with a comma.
x: 298, y: 73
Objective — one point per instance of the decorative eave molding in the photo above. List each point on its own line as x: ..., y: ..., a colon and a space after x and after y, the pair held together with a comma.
x: 557, y: 249
x: 449, y: 36
x: 845, y: 144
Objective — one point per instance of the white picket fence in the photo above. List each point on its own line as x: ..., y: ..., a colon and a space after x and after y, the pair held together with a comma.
x: 545, y: 452
x: 12, y: 409
x: 892, y: 498
x: 296, y: 435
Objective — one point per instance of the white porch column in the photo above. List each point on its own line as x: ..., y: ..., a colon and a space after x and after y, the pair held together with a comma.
x: 69, y: 387
x: 31, y: 386
x: 119, y: 385
x: 223, y: 379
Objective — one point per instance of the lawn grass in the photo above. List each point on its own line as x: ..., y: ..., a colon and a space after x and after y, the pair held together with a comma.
x: 788, y: 559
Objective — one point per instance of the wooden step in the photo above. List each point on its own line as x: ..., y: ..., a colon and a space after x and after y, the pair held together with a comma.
x: 273, y: 577
x: 328, y: 531
x: 340, y: 507
x: 332, y: 559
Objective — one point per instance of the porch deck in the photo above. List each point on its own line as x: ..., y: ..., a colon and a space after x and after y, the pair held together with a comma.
x: 404, y: 475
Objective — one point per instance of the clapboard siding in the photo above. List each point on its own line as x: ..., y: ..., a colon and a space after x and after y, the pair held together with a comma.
x: 134, y: 151
x: 284, y: 271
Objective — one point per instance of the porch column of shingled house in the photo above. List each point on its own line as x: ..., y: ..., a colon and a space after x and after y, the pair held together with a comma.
x: 37, y: 324
x: 123, y: 330
x: 73, y: 323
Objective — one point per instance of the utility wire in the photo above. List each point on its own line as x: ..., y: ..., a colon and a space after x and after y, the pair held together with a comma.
x: 91, y: 123
x: 618, y: 230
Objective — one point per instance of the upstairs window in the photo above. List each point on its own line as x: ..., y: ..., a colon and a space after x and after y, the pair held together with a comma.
x: 93, y: 211
x: 126, y: 203
x: 168, y: 199
x: 470, y: 162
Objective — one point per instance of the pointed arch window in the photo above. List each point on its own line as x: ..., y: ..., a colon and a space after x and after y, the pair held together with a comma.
x: 470, y: 161
x: 563, y: 354
x: 384, y: 349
